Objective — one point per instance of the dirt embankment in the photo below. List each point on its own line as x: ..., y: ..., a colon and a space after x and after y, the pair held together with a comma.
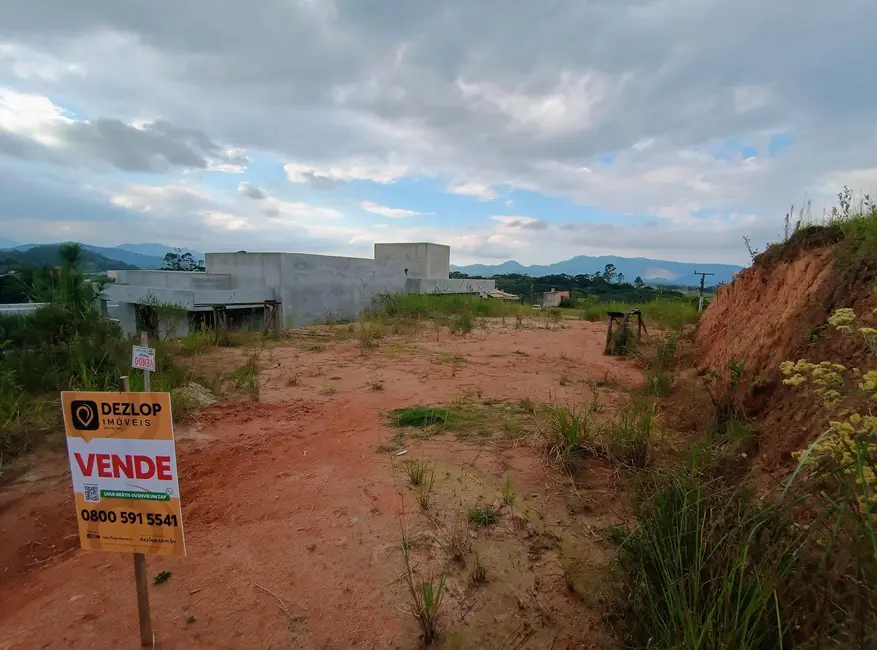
x: 765, y: 315
x: 777, y: 310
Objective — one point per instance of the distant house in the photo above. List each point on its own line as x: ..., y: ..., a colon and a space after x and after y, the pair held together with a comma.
x: 552, y: 298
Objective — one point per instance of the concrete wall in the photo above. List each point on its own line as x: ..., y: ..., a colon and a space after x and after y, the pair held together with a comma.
x: 247, y: 270
x: 13, y: 309
x: 172, y: 279
x: 416, y: 285
x: 427, y: 261
x: 320, y: 287
x: 124, y: 313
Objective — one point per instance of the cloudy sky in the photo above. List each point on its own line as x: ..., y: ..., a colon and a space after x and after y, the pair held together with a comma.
x: 509, y: 129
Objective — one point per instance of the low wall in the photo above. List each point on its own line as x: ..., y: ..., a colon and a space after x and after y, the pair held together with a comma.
x: 317, y: 288
x: 186, y: 280
x: 454, y: 285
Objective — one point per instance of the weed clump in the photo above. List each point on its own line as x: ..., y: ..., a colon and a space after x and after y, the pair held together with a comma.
x: 483, y: 516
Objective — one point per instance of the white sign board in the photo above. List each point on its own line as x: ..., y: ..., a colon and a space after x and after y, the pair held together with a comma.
x: 143, y: 358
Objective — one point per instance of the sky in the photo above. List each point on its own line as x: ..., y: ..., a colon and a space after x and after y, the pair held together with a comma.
x: 507, y: 129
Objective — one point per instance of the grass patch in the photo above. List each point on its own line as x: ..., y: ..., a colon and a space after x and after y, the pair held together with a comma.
x: 368, y: 332
x: 479, y: 572
x: 629, y: 438
x: 439, y: 306
x: 465, y: 417
x: 483, y: 516
x: 415, y: 470
x: 508, y: 493
x: 424, y: 489
x: 426, y: 597
x: 422, y: 416
x: 246, y: 377
x: 671, y: 314
x: 455, y: 541
x: 565, y: 433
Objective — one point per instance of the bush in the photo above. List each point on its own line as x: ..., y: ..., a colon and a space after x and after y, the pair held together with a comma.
x: 66, y: 345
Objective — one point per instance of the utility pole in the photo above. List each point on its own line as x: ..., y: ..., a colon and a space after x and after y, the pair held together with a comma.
x: 700, y: 291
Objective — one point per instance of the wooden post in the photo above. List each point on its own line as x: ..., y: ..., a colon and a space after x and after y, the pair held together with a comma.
x: 147, y: 376
x: 608, y: 334
x: 146, y: 639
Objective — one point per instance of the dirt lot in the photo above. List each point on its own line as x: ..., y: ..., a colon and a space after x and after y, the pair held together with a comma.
x: 294, y: 517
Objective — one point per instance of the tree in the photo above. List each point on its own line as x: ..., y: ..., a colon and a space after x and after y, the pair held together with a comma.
x: 620, y: 278
x: 181, y: 261
x: 638, y: 282
x: 610, y: 273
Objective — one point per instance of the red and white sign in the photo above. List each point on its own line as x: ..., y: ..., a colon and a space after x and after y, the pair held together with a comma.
x: 143, y: 358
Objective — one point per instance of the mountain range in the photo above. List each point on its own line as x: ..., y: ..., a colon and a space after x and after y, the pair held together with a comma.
x: 651, y: 271
x: 142, y: 256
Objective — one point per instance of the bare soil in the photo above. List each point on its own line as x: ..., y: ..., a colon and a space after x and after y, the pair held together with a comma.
x: 294, y: 519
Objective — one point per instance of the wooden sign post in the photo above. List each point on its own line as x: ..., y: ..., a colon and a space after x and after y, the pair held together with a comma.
x: 125, y: 483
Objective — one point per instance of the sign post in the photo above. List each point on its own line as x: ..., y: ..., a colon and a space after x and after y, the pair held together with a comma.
x: 125, y: 482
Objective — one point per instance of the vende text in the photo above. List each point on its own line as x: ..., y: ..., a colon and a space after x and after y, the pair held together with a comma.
x: 115, y: 466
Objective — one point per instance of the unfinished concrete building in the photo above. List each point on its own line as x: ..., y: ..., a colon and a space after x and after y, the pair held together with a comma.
x: 281, y: 289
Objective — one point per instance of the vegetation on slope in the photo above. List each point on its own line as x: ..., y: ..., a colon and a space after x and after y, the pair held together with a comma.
x: 67, y: 345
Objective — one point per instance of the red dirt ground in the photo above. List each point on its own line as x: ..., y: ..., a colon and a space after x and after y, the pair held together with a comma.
x: 289, y: 495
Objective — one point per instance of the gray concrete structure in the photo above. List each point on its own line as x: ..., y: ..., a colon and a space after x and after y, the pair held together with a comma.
x: 312, y: 288
x: 422, y: 260
x: 303, y: 288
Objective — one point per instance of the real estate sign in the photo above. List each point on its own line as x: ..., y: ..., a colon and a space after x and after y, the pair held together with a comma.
x: 143, y: 358
x: 124, y: 467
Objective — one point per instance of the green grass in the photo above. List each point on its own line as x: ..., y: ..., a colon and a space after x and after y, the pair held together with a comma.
x: 246, y: 376
x: 422, y: 416
x: 629, y: 436
x: 465, y: 417
x: 199, y: 340
x: 703, y: 566
x: 508, y: 492
x: 710, y: 565
x: 661, y: 313
x: 439, y: 306
x: 426, y: 597
x: 566, y: 431
x: 483, y: 516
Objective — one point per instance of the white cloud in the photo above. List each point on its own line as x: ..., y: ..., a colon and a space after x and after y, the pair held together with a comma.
x: 349, y: 92
x: 390, y: 213
x: 352, y: 170
x: 570, y: 105
x: 31, y: 116
x: 478, y: 190
x: 749, y: 98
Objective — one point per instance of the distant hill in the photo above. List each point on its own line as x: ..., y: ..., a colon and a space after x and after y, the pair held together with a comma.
x: 135, y: 259
x: 47, y: 255
x: 158, y: 250
x: 651, y: 271
x: 141, y: 256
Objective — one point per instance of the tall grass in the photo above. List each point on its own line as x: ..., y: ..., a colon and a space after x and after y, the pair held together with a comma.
x: 704, y: 565
x: 710, y: 566
x: 428, y: 306
x: 671, y: 314
x: 66, y: 345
